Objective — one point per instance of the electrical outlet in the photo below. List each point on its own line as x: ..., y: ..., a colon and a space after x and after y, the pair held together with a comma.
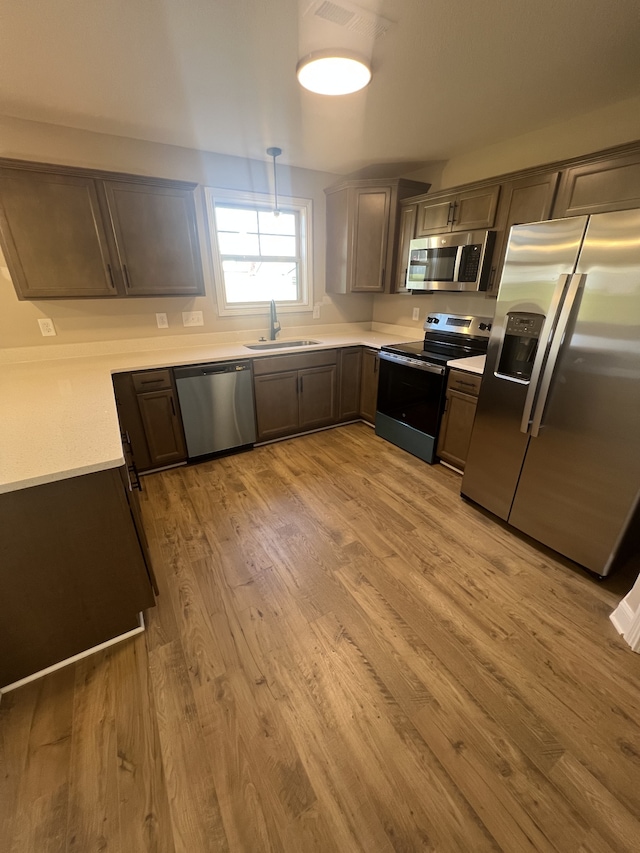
x: 316, y: 311
x: 192, y: 318
x: 416, y: 314
x: 47, y: 328
x: 161, y: 320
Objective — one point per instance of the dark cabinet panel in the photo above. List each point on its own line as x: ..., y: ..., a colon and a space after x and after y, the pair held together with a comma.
x: 612, y: 183
x: 72, y: 572
x: 157, y: 239
x: 163, y: 428
x: 276, y: 404
x: 317, y: 397
x: 349, y: 383
x: 527, y: 199
x: 74, y: 233
x: 149, y: 414
x: 362, y: 233
x: 459, y: 414
x: 369, y: 385
x: 53, y: 235
x: 467, y: 210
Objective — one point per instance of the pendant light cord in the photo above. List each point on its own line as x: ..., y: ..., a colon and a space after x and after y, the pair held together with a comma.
x: 275, y: 152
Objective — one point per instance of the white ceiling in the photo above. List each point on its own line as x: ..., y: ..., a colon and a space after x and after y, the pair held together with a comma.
x: 219, y: 75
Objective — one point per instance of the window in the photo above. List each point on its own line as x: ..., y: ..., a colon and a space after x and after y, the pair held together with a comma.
x: 259, y: 255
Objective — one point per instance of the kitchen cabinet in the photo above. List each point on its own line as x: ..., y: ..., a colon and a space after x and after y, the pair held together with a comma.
x: 369, y: 384
x: 72, y: 574
x: 350, y: 368
x: 295, y: 393
x: 526, y: 199
x: 605, y: 184
x: 459, y: 413
x: 408, y: 215
x: 72, y: 234
x: 470, y: 209
x: 362, y: 233
x: 149, y: 413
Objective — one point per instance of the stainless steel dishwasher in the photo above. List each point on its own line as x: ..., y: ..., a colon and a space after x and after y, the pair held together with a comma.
x: 217, y: 407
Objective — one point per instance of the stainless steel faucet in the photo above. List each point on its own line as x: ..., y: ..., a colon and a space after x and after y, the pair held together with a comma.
x: 274, y: 325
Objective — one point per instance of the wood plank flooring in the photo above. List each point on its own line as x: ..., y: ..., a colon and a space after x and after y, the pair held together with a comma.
x: 345, y: 656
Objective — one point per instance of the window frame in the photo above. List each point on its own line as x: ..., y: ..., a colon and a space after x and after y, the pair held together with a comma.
x: 303, y: 207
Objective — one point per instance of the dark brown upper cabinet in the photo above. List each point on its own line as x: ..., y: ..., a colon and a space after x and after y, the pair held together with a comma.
x: 608, y: 183
x: 468, y: 210
x: 362, y: 233
x: 70, y: 233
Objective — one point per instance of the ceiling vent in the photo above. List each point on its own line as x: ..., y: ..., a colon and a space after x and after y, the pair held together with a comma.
x: 350, y: 16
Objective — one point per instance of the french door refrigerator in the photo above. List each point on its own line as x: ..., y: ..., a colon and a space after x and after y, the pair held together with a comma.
x: 555, y: 448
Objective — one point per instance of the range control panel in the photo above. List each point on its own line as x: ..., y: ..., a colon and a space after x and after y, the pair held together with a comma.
x: 461, y: 324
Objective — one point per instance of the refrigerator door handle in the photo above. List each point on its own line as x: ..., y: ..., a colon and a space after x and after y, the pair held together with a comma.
x: 543, y: 348
x: 577, y: 283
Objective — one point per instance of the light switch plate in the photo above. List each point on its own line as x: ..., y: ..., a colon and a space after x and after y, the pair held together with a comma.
x: 192, y: 318
x: 162, y: 321
x: 416, y: 314
x: 46, y: 327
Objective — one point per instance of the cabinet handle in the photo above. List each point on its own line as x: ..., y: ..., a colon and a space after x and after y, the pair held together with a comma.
x: 150, y: 381
x: 453, y: 211
x: 126, y: 275
x: 134, y: 477
x: 111, y: 282
x: 376, y: 360
x: 301, y: 385
x: 382, y: 277
x: 450, y: 213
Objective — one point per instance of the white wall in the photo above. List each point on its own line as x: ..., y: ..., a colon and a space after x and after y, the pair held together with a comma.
x: 116, y: 319
x: 612, y: 125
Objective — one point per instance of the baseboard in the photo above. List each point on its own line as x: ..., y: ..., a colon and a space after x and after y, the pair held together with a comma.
x: 42, y: 672
x: 627, y: 622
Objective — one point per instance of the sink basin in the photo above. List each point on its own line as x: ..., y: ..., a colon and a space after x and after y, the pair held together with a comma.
x: 281, y: 344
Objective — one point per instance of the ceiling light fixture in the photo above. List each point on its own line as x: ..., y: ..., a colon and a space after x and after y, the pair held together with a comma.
x: 333, y: 72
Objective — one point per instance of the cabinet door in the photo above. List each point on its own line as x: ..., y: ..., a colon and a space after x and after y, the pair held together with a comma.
x: 528, y: 199
x: 370, y: 235
x: 369, y: 385
x: 53, y: 235
x: 476, y: 209
x: 407, y: 232
x: 455, y: 430
x: 612, y: 184
x: 434, y: 217
x: 349, y: 383
x: 155, y: 228
x: 317, y: 396
x: 276, y: 404
x: 163, y: 428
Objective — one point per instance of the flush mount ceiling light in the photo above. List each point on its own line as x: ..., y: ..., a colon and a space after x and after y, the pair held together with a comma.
x: 333, y: 72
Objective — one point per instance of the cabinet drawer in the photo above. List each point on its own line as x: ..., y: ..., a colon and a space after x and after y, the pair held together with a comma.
x: 466, y: 383
x: 296, y: 361
x: 151, y: 380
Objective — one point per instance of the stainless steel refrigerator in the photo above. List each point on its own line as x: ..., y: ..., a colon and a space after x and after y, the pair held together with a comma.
x: 555, y: 448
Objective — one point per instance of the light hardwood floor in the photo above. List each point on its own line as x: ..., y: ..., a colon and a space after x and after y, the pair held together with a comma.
x: 345, y: 656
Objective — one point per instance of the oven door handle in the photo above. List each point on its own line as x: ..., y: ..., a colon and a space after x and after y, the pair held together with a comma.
x: 412, y: 362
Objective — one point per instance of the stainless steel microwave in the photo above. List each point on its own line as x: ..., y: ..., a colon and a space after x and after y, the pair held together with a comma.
x: 450, y: 261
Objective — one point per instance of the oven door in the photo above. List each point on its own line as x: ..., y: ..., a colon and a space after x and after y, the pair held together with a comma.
x: 410, y: 401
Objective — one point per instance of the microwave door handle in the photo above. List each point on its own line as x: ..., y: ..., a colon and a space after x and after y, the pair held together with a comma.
x: 577, y: 283
x: 456, y: 268
x: 543, y: 347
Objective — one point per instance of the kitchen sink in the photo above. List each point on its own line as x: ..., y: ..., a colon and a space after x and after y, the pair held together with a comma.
x: 281, y: 344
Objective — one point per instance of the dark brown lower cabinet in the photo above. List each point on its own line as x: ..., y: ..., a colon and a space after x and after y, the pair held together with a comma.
x: 457, y: 422
x: 72, y: 571
x: 149, y: 413
x: 349, y: 378
x: 369, y: 385
x: 295, y: 393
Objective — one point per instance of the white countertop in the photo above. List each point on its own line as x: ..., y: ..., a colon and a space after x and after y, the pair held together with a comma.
x: 472, y: 364
x: 59, y: 415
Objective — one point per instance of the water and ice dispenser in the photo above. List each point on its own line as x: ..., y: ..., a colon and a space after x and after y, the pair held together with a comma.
x: 519, y: 345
